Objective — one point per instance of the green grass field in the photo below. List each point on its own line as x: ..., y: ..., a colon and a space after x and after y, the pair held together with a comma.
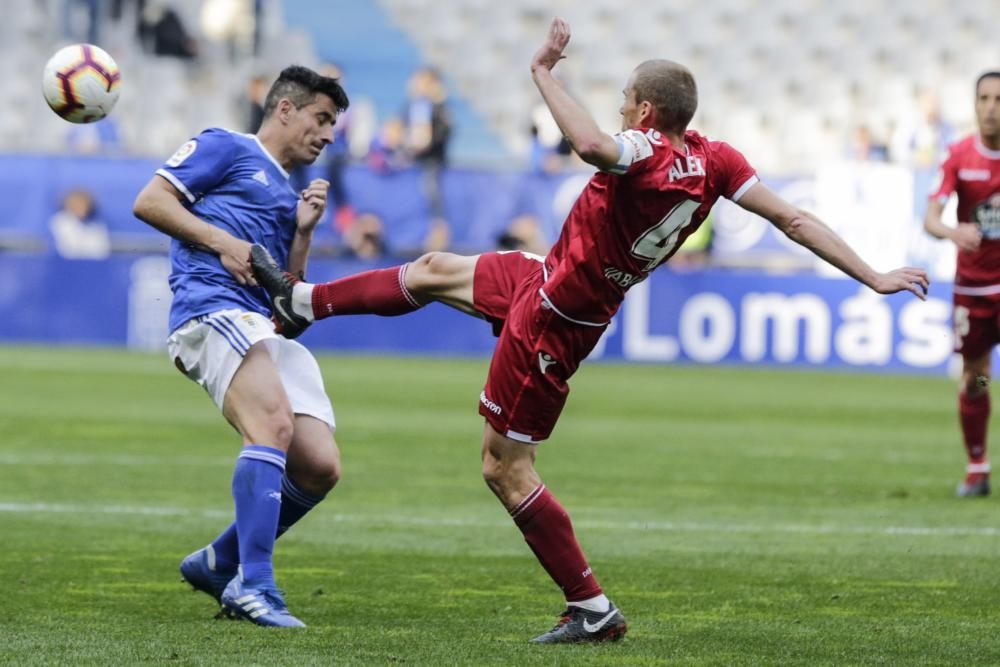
x: 738, y: 517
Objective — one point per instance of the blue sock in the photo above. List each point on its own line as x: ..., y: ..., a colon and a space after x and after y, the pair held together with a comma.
x: 257, y: 494
x: 295, y: 504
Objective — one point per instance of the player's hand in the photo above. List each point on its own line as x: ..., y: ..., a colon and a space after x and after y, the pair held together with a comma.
x: 312, y: 204
x: 552, y: 50
x: 235, y: 257
x: 908, y: 279
x: 967, y: 236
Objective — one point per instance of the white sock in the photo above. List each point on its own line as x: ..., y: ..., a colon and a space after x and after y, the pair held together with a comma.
x: 599, y: 604
x: 302, y: 300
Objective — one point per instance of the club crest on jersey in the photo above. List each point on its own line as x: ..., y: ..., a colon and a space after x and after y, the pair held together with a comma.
x: 987, y: 216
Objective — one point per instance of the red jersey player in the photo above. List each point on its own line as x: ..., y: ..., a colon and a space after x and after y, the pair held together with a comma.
x: 972, y: 171
x: 657, y: 183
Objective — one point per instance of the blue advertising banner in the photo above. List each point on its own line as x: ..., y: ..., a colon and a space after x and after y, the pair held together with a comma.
x: 708, y: 316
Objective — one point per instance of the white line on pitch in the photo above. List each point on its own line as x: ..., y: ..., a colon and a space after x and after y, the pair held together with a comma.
x: 408, y: 521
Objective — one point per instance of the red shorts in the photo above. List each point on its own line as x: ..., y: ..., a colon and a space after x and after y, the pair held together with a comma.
x: 977, y: 324
x: 537, y: 352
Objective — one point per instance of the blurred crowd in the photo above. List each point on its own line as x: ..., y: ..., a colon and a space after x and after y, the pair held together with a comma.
x: 415, y: 137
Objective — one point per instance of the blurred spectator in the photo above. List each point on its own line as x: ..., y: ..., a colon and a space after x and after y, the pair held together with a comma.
x: 337, y: 156
x: 387, y: 153
x: 365, y: 238
x: 162, y: 32
x: 81, y: 20
x: 428, y: 131
x: 256, y: 94
x: 101, y: 137
x: 524, y: 234
x: 922, y: 140
x: 865, y: 148
x: 550, y: 151
x: 76, y: 230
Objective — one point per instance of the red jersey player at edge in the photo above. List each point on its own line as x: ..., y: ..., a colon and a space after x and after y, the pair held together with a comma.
x: 657, y: 183
x: 972, y: 171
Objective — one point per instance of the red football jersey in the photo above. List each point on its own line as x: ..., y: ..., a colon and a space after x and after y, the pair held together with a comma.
x: 973, y: 172
x: 633, y: 217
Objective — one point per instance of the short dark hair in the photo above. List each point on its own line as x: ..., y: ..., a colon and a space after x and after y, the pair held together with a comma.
x: 671, y: 89
x: 300, y: 85
x: 992, y: 74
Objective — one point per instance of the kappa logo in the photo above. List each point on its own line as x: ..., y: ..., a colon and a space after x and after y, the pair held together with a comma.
x: 545, y: 360
x: 261, y: 178
x: 275, y: 495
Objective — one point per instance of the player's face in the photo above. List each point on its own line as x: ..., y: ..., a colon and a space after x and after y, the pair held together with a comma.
x: 311, y: 129
x: 633, y: 112
x: 630, y: 108
x: 988, y: 107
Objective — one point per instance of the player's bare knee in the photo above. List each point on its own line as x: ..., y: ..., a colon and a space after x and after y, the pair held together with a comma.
x: 975, y: 384
x: 320, y: 479
x: 327, y: 475
x: 430, y: 272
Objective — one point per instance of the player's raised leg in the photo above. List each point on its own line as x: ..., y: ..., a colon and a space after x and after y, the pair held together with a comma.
x: 974, y: 416
x: 509, y: 471
x: 436, y: 276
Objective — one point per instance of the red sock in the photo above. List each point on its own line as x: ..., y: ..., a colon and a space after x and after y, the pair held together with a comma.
x: 549, y: 532
x: 974, y: 413
x: 378, y: 292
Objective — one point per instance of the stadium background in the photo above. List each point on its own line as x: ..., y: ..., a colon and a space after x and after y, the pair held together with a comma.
x: 791, y: 84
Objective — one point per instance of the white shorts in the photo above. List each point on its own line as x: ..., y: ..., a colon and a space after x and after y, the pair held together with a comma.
x: 209, y: 350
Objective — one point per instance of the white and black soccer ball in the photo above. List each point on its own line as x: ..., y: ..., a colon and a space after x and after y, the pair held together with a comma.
x: 81, y: 83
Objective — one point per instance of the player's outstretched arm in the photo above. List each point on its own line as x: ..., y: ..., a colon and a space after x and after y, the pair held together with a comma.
x: 578, y: 126
x: 966, y: 236
x: 809, y: 231
x: 159, y: 205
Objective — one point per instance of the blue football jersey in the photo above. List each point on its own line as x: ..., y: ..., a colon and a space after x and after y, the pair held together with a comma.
x: 232, y: 182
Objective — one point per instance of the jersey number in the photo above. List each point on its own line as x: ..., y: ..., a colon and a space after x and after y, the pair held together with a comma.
x: 657, y: 242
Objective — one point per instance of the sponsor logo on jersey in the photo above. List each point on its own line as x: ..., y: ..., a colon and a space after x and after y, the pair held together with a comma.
x: 261, y: 178
x: 490, y: 405
x: 974, y: 174
x: 621, y: 278
x: 183, y: 153
x: 987, y: 216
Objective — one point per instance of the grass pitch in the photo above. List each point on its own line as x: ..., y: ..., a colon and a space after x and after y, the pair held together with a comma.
x: 738, y: 517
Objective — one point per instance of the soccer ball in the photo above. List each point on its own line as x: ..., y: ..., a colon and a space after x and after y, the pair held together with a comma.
x: 81, y: 83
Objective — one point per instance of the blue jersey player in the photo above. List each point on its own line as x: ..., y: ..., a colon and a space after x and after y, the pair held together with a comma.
x: 220, y: 193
